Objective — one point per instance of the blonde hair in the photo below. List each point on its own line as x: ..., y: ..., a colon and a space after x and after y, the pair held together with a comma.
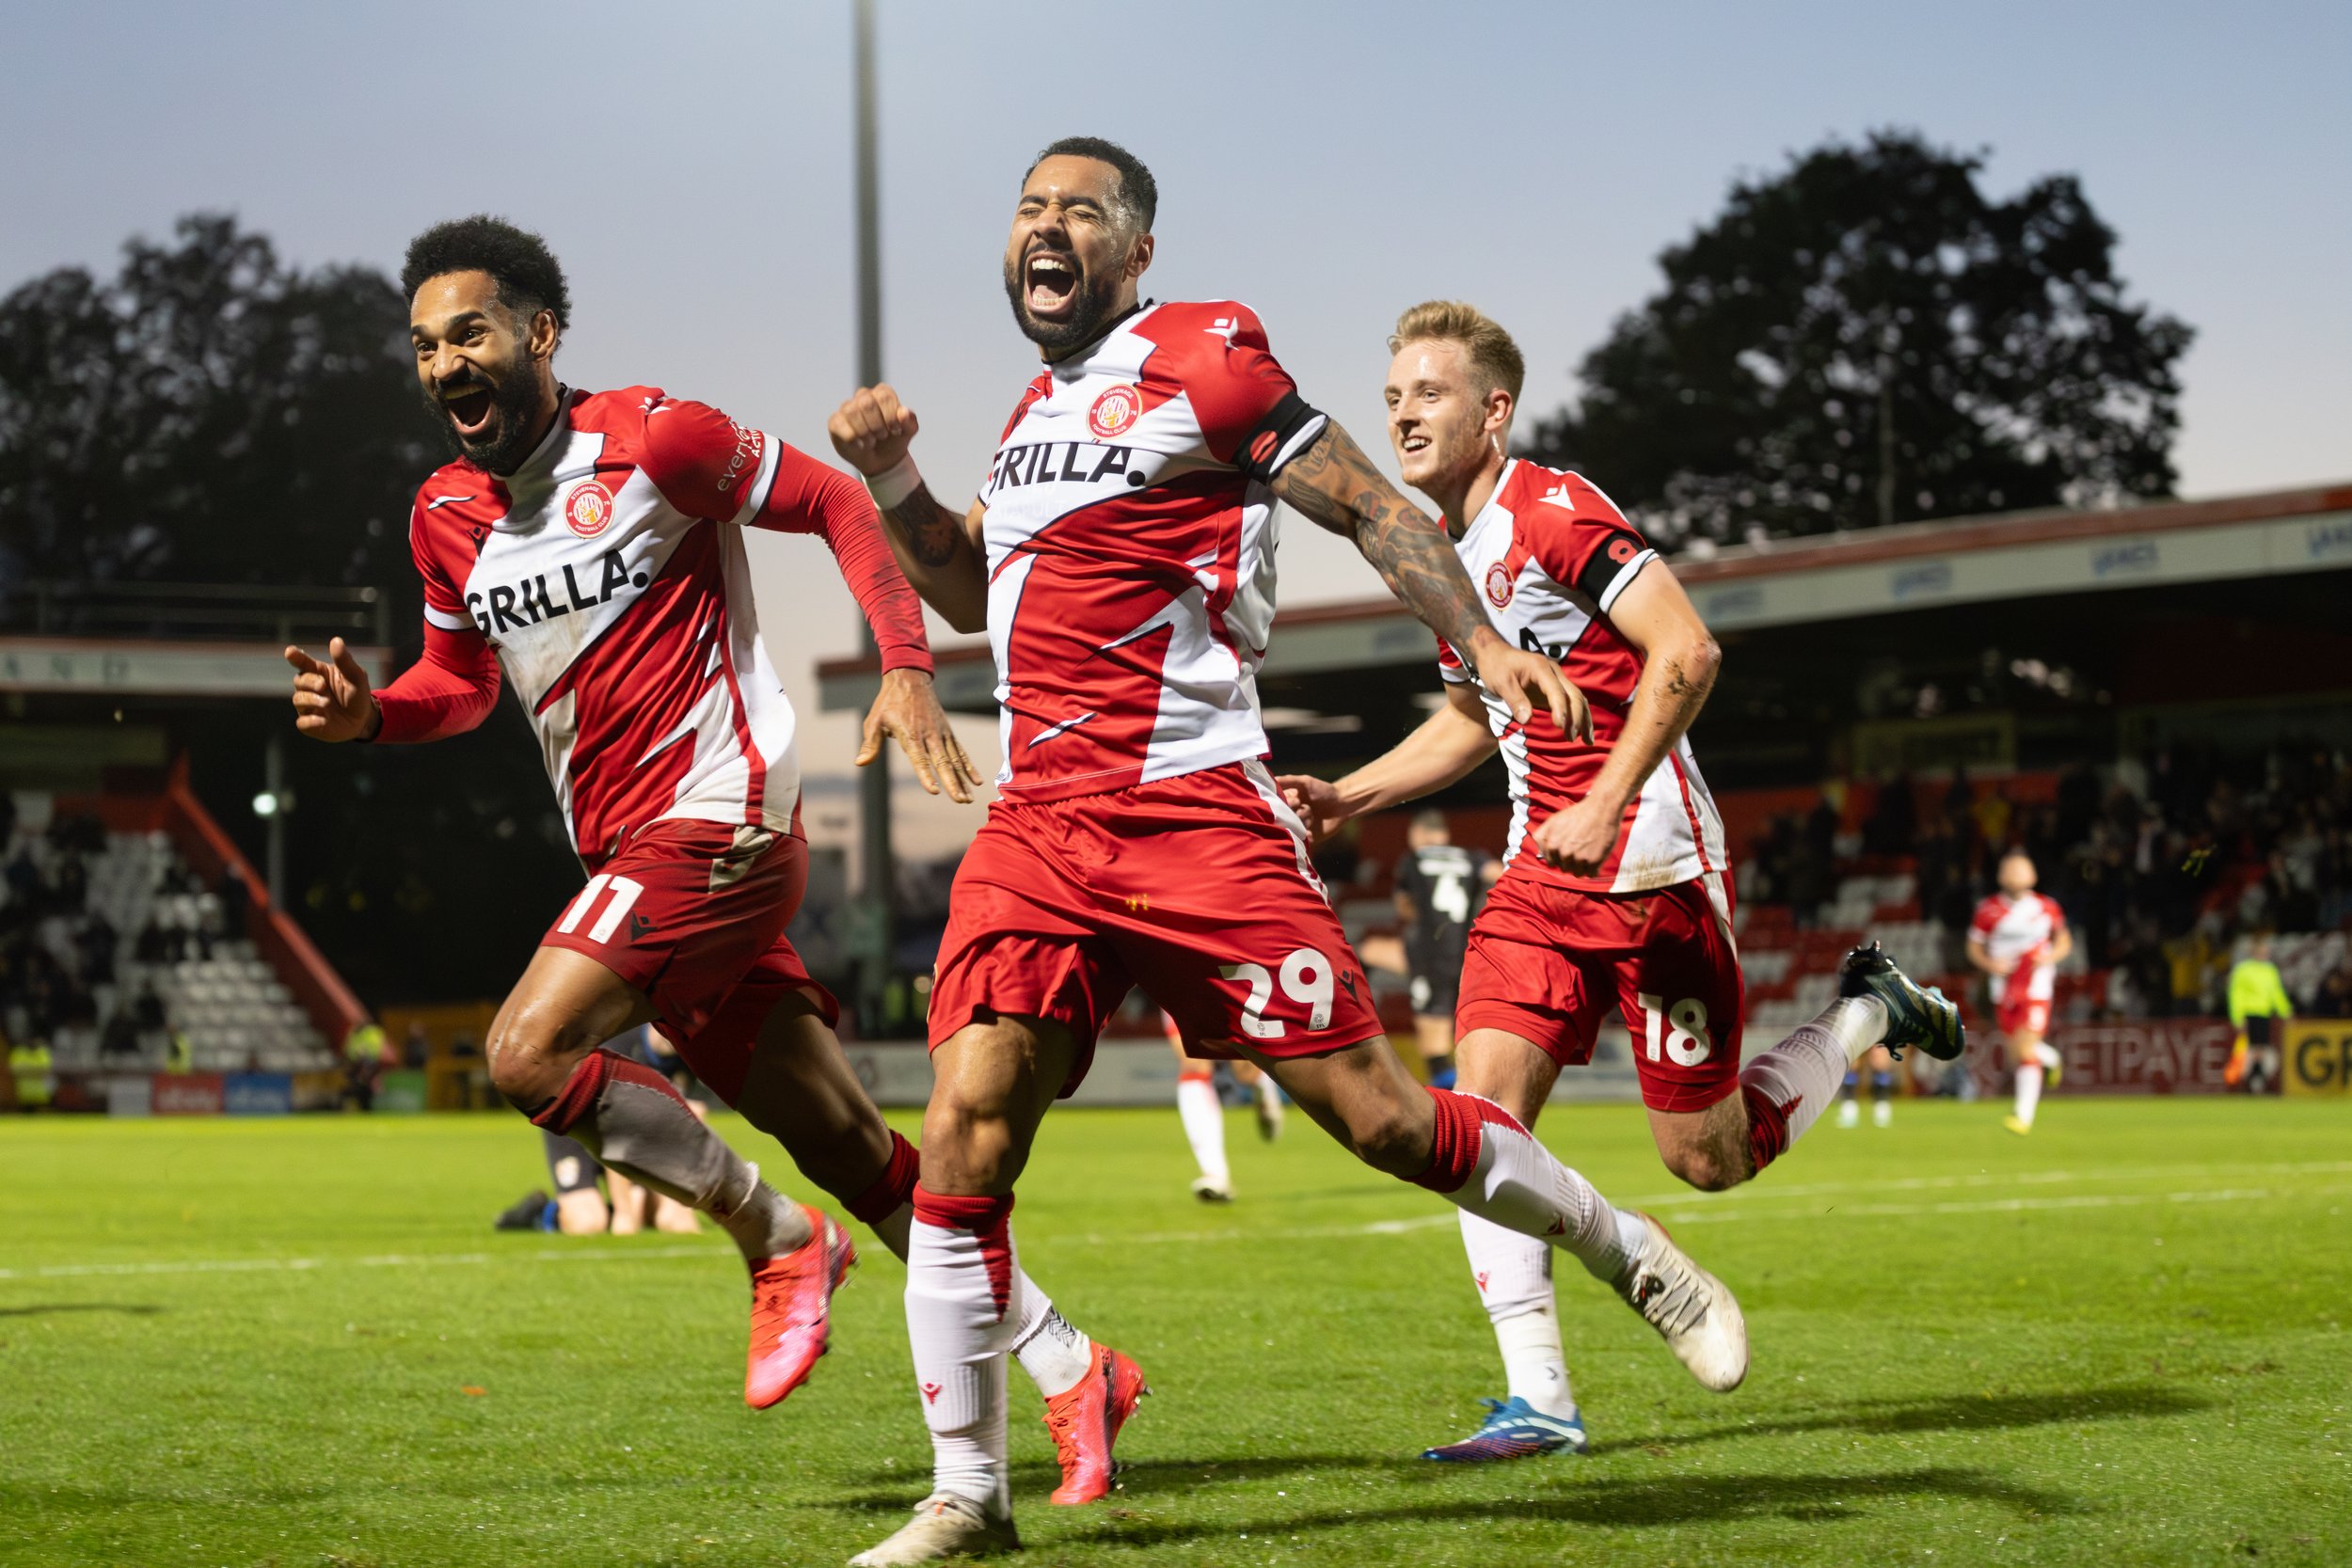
x: 1493, y: 355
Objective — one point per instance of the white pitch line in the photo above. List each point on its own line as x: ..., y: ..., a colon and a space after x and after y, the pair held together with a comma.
x: 381, y: 1260
x: 1716, y: 1213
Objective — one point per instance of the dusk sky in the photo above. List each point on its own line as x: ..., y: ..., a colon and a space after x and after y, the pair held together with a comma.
x: 1327, y: 164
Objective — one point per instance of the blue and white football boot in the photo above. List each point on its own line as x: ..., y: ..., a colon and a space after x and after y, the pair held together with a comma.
x: 1513, y: 1429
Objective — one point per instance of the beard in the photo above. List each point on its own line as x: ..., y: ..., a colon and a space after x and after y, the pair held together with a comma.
x: 1091, y: 304
x: 511, y: 435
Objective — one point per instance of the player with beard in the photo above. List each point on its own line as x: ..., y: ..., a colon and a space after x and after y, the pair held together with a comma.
x: 590, y: 547
x: 1614, y: 889
x: 1120, y: 556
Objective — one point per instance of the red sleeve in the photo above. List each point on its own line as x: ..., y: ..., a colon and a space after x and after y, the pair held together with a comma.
x: 1449, y: 665
x: 448, y: 691
x: 1247, y: 407
x: 707, y: 466
x: 1987, y: 916
x: 1581, y: 538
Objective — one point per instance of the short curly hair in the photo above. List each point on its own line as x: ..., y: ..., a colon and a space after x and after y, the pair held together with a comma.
x: 1137, y: 190
x: 529, y: 278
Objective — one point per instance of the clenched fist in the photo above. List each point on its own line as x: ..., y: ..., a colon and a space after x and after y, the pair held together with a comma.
x: 872, y: 430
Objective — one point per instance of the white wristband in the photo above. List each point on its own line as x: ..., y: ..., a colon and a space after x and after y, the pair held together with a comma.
x: 895, y: 484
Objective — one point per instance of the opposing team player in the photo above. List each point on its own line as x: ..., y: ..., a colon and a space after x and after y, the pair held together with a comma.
x: 1614, y: 891
x: 2019, y: 938
x: 590, y: 545
x: 1122, y: 556
x: 1204, y: 1114
x: 1439, y: 885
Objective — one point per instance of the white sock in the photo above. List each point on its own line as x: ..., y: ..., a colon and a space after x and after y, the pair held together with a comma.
x: 962, y: 1316
x: 1803, y: 1074
x: 2046, y: 1055
x: 1204, y: 1127
x: 1057, y: 1356
x: 1054, y: 1354
x: 1517, y: 1185
x: 2029, y: 1089
x: 1513, y: 1277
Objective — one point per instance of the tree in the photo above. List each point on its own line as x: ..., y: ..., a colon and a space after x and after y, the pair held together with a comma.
x: 209, y: 414
x: 1865, y: 339
x: 213, y: 415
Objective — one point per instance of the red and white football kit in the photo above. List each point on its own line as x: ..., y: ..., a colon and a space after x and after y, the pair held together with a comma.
x: 605, y: 577
x: 1651, y: 928
x: 1139, y: 838
x: 2023, y: 929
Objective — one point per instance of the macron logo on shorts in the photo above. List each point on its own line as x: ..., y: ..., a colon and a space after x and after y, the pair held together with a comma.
x: 930, y: 1393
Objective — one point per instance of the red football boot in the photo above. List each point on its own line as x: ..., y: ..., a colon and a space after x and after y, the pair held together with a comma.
x: 791, y: 1310
x: 1084, y: 1422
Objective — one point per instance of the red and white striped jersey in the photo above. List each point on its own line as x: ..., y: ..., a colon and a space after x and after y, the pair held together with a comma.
x: 1549, y: 553
x: 2024, y: 930
x: 1130, y: 535
x: 609, y: 574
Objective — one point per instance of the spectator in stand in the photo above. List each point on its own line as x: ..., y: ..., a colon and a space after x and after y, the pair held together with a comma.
x: 96, y: 941
x: 365, y: 1053
x: 1893, y: 821
x: 2334, y: 997
x: 147, y: 1007
x: 29, y: 1070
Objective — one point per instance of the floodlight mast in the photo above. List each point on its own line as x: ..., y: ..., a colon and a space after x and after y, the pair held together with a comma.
x: 875, y: 856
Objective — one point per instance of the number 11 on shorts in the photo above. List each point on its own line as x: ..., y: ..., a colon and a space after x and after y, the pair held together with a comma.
x: 1679, y: 1032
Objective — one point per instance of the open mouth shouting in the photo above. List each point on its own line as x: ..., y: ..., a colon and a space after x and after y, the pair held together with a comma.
x: 472, y: 409
x: 1050, y: 281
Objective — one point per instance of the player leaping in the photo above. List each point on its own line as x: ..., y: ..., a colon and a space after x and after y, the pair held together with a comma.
x: 1122, y: 556
x: 1616, y: 891
x: 590, y: 545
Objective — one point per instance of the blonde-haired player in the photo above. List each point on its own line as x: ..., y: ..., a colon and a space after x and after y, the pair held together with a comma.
x: 1614, y: 890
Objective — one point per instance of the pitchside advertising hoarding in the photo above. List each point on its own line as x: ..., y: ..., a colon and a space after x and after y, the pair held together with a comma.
x: 2316, y: 1057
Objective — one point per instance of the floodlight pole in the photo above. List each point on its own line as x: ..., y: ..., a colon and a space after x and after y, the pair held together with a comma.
x: 874, y: 782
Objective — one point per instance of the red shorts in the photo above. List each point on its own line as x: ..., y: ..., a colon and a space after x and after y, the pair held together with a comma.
x: 2018, y: 1013
x: 693, y: 914
x: 1545, y: 961
x: 1195, y: 888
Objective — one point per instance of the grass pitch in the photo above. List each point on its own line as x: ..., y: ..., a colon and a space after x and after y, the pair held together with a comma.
x: 298, y: 1342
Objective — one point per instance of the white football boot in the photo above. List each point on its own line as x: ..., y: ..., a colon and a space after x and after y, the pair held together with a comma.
x: 945, y: 1526
x: 1690, y: 1309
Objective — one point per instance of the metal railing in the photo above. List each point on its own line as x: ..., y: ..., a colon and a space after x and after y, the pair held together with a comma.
x: 203, y: 611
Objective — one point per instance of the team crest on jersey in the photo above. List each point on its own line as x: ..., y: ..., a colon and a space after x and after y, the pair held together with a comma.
x: 1499, y: 585
x: 1115, y: 412
x: 589, y: 510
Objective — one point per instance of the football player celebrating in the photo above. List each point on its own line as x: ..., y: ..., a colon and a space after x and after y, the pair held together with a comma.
x: 1120, y: 555
x: 589, y: 547
x: 1616, y: 891
x: 2019, y: 938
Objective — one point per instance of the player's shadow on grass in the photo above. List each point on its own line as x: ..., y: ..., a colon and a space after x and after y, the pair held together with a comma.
x: 1950, y: 1412
x: 1644, y: 1504
x: 42, y: 1308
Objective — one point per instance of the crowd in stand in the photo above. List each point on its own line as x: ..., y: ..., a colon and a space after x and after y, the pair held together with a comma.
x: 2165, y: 869
x: 59, y: 953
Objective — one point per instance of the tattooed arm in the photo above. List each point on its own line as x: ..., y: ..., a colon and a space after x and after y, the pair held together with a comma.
x: 939, y: 552
x: 1679, y: 659
x: 1334, y: 485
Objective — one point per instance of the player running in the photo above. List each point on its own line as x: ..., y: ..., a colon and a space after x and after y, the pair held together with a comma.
x: 1121, y: 554
x: 589, y: 545
x: 1204, y: 1114
x: 2019, y: 938
x: 1614, y: 889
x: 1439, y: 885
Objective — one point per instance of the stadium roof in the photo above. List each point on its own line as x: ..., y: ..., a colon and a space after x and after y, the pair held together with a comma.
x: 1841, y: 576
